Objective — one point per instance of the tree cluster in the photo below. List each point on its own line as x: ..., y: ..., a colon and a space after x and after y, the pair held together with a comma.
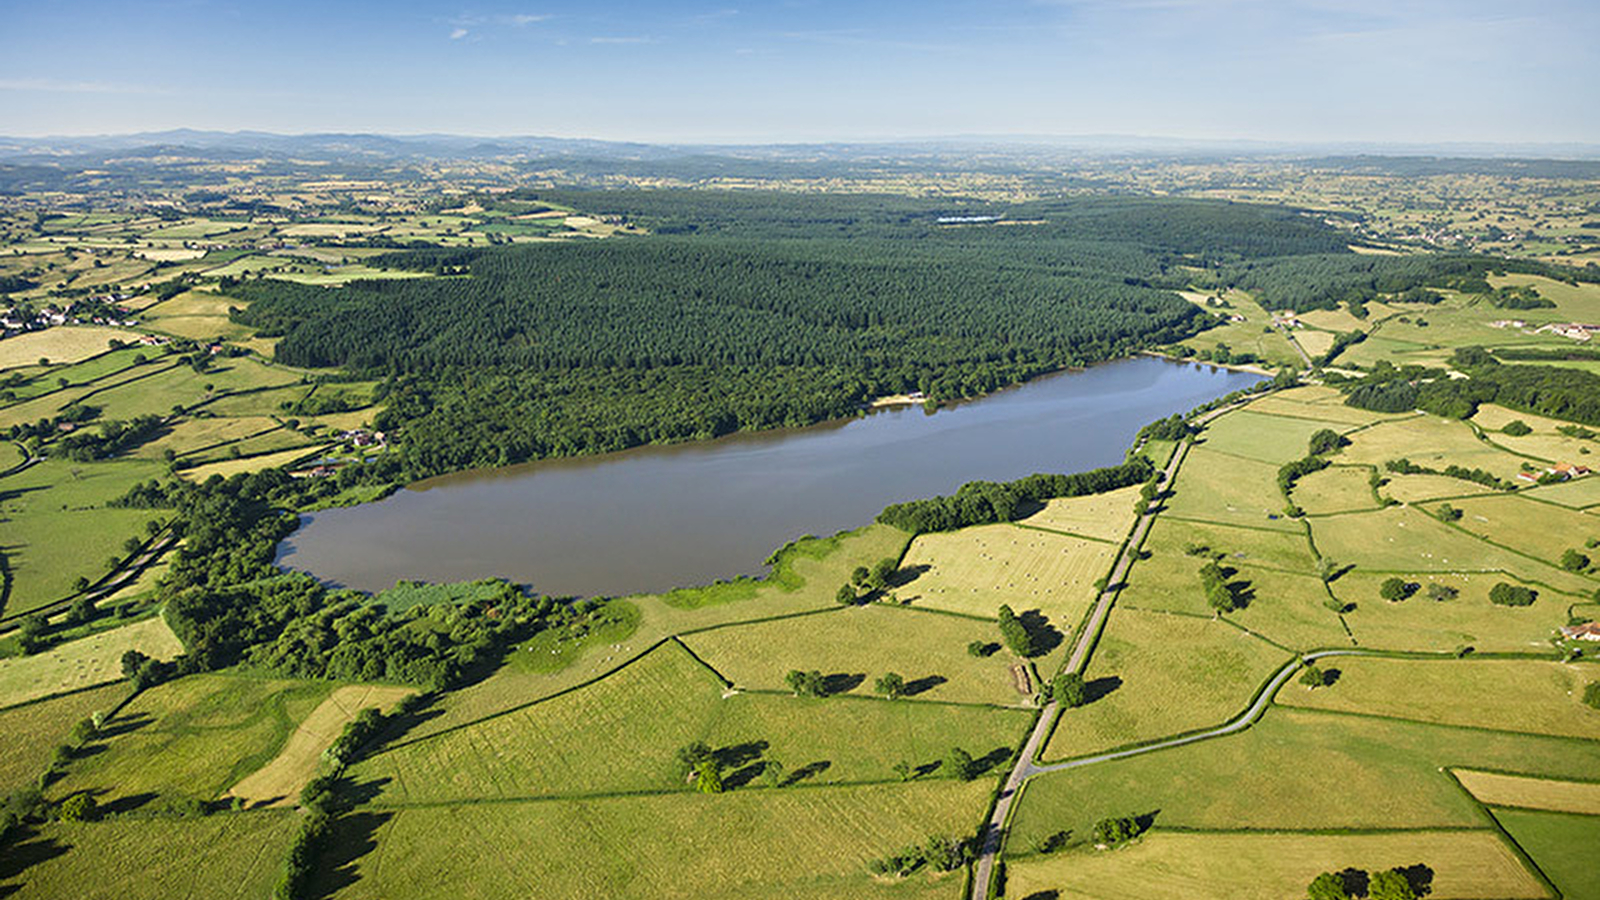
x: 984, y: 502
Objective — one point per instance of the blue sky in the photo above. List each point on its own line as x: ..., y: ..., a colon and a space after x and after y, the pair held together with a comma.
x: 810, y: 70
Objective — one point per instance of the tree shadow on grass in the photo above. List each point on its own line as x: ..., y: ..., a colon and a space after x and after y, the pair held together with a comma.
x: 996, y: 757
x: 1100, y: 687
x: 1043, y: 895
x: 122, y: 725
x: 354, y: 836
x: 809, y: 770
x: 126, y: 803
x: 841, y: 682
x: 23, y: 852
x: 1045, y: 637
x: 736, y: 755
x: 1355, y: 881
x: 1420, y: 877
x: 907, y: 574
x: 922, y: 685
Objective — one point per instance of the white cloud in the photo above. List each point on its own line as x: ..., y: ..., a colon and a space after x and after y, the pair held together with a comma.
x: 525, y: 19
x: 458, y: 34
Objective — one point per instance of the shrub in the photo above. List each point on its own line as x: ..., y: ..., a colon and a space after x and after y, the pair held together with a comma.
x: 1505, y: 594
x: 1517, y: 428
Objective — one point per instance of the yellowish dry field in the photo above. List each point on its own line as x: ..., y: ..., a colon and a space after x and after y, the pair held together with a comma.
x: 1467, y: 865
x: 63, y: 344
x: 1417, y: 488
x: 1498, y: 789
x: 1315, y: 343
x: 1324, y: 404
x: 1429, y: 441
x: 1334, y: 319
x: 1544, y: 442
x: 278, y: 782
x: 1335, y: 489
x: 231, y: 467
x: 1108, y: 516
x: 87, y: 661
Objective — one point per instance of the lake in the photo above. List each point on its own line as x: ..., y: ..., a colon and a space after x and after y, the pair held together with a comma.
x: 654, y: 518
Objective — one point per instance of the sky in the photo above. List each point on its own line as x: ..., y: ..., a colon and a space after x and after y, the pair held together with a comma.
x: 1428, y: 71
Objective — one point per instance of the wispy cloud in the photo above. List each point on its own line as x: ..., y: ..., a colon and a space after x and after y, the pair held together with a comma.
x: 51, y: 85
x: 622, y: 40
x: 524, y: 19
x: 458, y: 34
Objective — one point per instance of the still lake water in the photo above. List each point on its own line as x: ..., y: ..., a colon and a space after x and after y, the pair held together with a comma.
x: 654, y: 518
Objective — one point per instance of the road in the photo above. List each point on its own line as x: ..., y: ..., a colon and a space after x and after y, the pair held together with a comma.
x: 994, y: 828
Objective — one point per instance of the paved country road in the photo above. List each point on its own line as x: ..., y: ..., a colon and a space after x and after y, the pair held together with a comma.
x: 994, y: 828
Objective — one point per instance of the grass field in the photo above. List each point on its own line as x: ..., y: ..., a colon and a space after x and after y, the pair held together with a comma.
x: 1498, y: 789
x: 1420, y: 623
x: 1162, y: 674
x: 84, y: 662
x: 195, y: 737
x: 1321, y: 404
x: 1265, y: 438
x: 1108, y: 516
x: 1298, y: 769
x: 1538, y: 529
x: 1562, y: 845
x: 30, y: 733
x: 620, y: 734
x: 927, y: 649
x: 195, y: 434
x: 62, y: 344
x: 1336, y: 489
x: 54, y: 526
x: 1507, y: 694
x: 278, y: 783
x: 1468, y: 865
x: 801, y: 843
x: 1544, y: 442
x: 1215, y: 487
x: 1581, y: 493
x: 1419, y: 488
x: 975, y: 570
x: 230, y: 467
x: 1428, y: 441
x: 236, y: 855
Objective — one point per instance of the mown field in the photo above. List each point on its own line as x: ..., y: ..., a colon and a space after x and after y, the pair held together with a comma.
x: 278, y: 783
x: 29, y: 733
x: 85, y: 662
x: 805, y: 843
x: 1551, y: 795
x: 619, y: 734
x: 1467, y: 864
x: 1561, y: 845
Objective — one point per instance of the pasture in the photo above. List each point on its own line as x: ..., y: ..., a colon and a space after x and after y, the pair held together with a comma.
x: 230, y: 467
x: 1428, y: 441
x: 61, y: 344
x: 1544, y: 442
x: 1420, y: 488
x: 1468, y: 619
x: 1336, y: 489
x: 1540, y: 530
x: 1319, y: 404
x: 194, y: 737
x: 1562, y: 846
x: 1264, y: 438
x: 806, y: 844
x: 1215, y: 487
x: 1467, y: 864
x: 620, y: 733
x: 278, y: 783
x: 1532, y: 696
x: 238, y: 855
x: 85, y: 662
x: 1581, y: 493
x: 1155, y: 674
x: 54, y: 526
x: 928, y: 649
x: 975, y: 570
x: 1550, y: 795
x: 30, y: 732
x: 1297, y: 770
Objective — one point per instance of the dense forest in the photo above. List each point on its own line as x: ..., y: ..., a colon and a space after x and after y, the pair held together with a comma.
x: 1557, y: 392
x: 1321, y: 281
x: 753, y: 310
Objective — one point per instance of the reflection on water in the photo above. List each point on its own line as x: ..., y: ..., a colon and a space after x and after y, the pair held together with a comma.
x: 653, y: 518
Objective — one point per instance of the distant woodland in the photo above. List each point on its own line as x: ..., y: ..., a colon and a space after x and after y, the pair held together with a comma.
x: 746, y: 311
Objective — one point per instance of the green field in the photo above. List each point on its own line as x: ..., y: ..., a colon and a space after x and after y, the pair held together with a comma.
x: 1469, y: 619
x: 1540, y: 530
x: 1504, y: 694
x: 1582, y: 493
x: 927, y: 649
x: 83, y: 662
x: 30, y: 733
x: 1162, y: 674
x: 233, y: 855
x: 1265, y: 438
x: 1432, y: 442
x: 1561, y: 845
x: 1215, y: 487
x: 193, y: 737
x: 1336, y: 489
x: 1467, y: 865
x: 808, y: 844
x: 619, y: 734
x: 1297, y: 770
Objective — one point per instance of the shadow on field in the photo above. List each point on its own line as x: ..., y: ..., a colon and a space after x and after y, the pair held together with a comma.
x: 1100, y: 687
x: 24, y: 852
x: 809, y: 770
x: 1045, y: 636
x: 127, y: 803
x: 996, y: 757
x: 907, y: 574
x: 922, y: 685
x: 736, y: 755
x: 355, y: 837
x: 841, y: 682
x: 122, y: 725
x: 1043, y: 895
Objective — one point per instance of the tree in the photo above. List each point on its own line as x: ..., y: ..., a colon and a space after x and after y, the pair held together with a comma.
x: 980, y: 648
x: 81, y: 610
x: 958, y: 764
x: 1326, y: 441
x: 1327, y: 886
x: 132, y: 661
x: 772, y: 773
x: 1313, y: 677
x: 1394, y: 590
x: 882, y: 573
x: 846, y: 595
x: 1215, y: 584
x: 1116, y: 830
x: 1069, y: 689
x: 1441, y: 592
x: 1591, y: 695
x: 1505, y: 594
x: 1449, y: 513
x: 806, y: 684
x: 30, y: 633
x: 1014, y: 633
x: 1517, y: 428
x: 692, y: 756
x: 1391, y: 884
x: 859, y: 576
x: 708, y: 777
x: 905, y: 770
x: 891, y: 685
x: 77, y: 808
x: 1573, y: 561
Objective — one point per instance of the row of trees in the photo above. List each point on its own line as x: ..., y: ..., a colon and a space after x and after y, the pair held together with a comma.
x: 984, y: 502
